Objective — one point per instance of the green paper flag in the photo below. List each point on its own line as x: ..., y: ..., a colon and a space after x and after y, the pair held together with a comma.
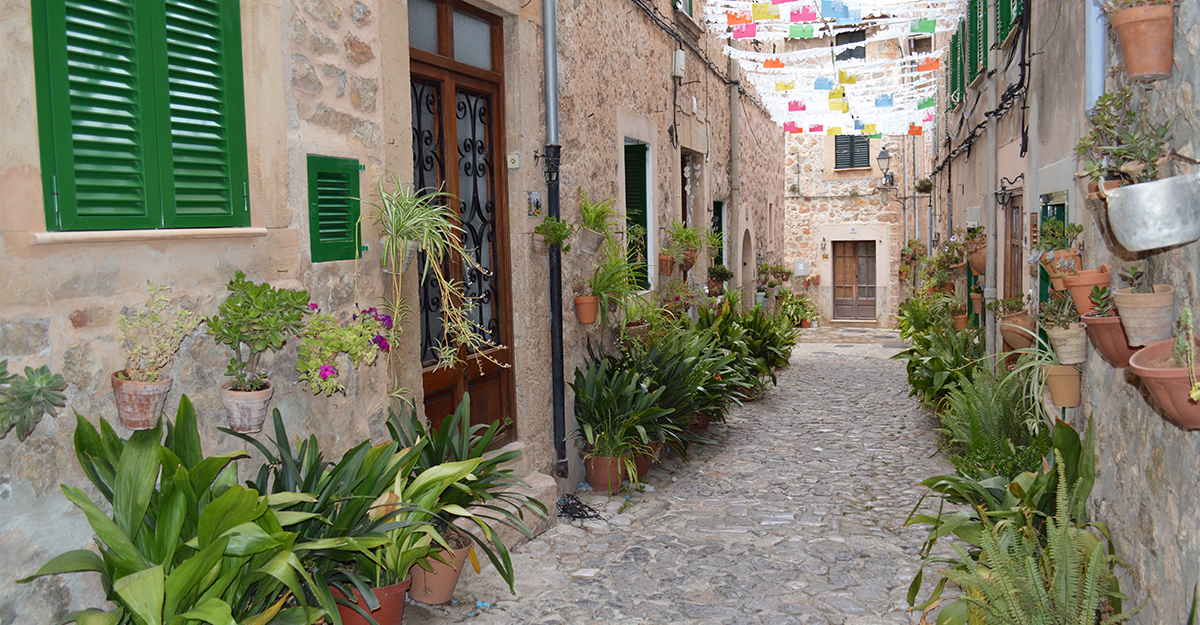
x: 924, y: 26
x: 878, y: 135
x: 926, y: 103
x: 800, y: 31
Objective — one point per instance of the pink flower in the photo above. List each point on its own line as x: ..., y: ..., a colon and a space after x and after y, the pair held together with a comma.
x: 326, y: 371
x: 313, y: 306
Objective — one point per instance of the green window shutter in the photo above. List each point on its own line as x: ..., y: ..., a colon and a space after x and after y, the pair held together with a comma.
x: 98, y: 167
x: 332, y: 208
x: 860, y: 152
x: 981, y: 52
x: 972, y: 55
x: 203, y: 126
x: 955, y: 69
x: 635, y: 207
x: 843, y: 155
x: 1003, y: 19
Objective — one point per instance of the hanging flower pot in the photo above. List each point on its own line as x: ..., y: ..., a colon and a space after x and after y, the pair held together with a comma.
x: 590, y: 240
x: 1151, y: 215
x: 1069, y: 344
x: 1147, y: 317
x: 960, y: 322
x: 1169, y: 383
x: 1094, y: 189
x: 391, y: 604
x: 977, y: 303
x: 1063, y: 383
x: 1108, y: 335
x: 1080, y: 286
x: 587, y: 308
x: 247, y: 410
x: 666, y: 265
x: 1147, y: 36
x: 539, y: 244
x: 1017, y: 329
x: 604, y: 473
x: 805, y: 323
x: 978, y: 260
x: 1059, y: 263
x: 716, y: 287
x: 139, y: 403
x: 688, y: 261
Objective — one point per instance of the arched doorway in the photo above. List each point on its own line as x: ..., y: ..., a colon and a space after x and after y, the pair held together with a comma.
x: 749, y: 269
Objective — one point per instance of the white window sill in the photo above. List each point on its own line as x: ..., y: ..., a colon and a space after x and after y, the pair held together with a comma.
x: 114, y: 236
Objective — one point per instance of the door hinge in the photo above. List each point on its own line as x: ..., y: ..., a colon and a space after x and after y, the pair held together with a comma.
x: 246, y: 195
x: 54, y: 201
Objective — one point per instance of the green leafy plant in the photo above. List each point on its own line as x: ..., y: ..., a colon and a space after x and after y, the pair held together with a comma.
x: 1008, y: 305
x: 556, y: 232
x: 255, y: 318
x: 25, y: 399
x: 323, y: 339
x: 615, y: 411
x: 918, y: 316
x: 984, y: 422
x: 184, y: 542
x: 1101, y: 298
x: 1123, y: 143
x: 597, y: 216
x: 939, y: 361
x: 151, y: 336
x: 1054, y: 235
x: 1184, y: 349
x: 614, y: 281
x: 924, y: 185
x: 719, y: 273
x: 682, y: 240
x: 1138, y: 278
x: 795, y: 307
x: 1058, y: 311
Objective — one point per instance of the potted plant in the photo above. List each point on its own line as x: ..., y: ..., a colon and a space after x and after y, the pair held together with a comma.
x: 597, y: 221
x: 24, y: 399
x: 1080, y: 286
x: 1104, y: 325
x: 614, y: 281
x: 976, y: 294
x: 683, y: 243
x: 613, y: 408
x: 587, y: 304
x: 254, y: 318
x: 323, y: 340
x: 1146, y: 30
x: 1056, y: 250
x: 552, y: 232
x: 975, y: 247
x: 490, y: 497
x: 1058, y: 317
x: 924, y: 185
x: 1146, y: 310
x: 150, y: 337
x: 1016, y: 324
x: 812, y: 280
x: 718, y: 274
x: 1169, y: 370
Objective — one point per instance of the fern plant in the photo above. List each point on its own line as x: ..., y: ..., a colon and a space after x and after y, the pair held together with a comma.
x: 985, y: 420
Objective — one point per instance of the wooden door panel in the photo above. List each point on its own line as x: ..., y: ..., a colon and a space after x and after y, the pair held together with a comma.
x: 854, y: 280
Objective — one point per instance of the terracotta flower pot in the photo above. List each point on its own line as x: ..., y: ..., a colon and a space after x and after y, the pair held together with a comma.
x: 590, y: 240
x: 1080, y: 286
x: 1063, y: 383
x: 139, y: 403
x: 716, y: 287
x: 1108, y: 335
x: 539, y: 244
x: 1147, y: 317
x: 1069, y: 344
x: 391, y: 605
x: 1012, y: 328
x: 816, y: 279
x: 666, y: 265
x: 960, y: 322
x: 687, y: 262
x: 978, y: 261
x: 1094, y: 189
x: 805, y: 323
x: 977, y: 303
x: 247, y: 410
x: 643, y: 462
x: 437, y: 586
x: 1056, y: 274
x: 1169, y: 383
x: 587, y: 308
x: 700, y: 421
x: 604, y: 473
x: 1147, y: 36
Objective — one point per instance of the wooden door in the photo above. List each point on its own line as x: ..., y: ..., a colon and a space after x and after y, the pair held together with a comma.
x: 854, y: 280
x: 1015, y: 254
x: 458, y: 146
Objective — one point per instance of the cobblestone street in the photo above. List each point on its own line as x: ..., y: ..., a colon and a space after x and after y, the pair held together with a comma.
x: 793, y: 516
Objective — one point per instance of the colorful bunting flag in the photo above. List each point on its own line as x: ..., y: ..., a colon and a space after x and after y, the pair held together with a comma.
x: 924, y: 25
x: 846, y: 79
x: 773, y: 64
x: 838, y: 92
x: 834, y: 9
x: 749, y: 31
x: 781, y: 1
x: 737, y: 18
x: 834, y: 131
x: 926, y: 103
x: 823, y: 84
x: 795, y: 106
x: 785, y: 85
x: 884, y: 101
x: 878, y: 135
x: 801, y: 31
x: 841, y: 106
x: 805, y: 14
x: 914, y: 130
x: 858, y: 125
x: 854, y: 17
x: 764, y: 11
x: 928, y: 65
x: 870, y: 129
x: 791, y: 127
x: 816, y: 128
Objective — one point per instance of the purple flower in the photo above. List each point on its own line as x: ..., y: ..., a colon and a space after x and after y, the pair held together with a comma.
x: 313, y: 306
x: 369, y: 311
x: 386, y: 320
x: 326, y: 371
x: 381, y: 342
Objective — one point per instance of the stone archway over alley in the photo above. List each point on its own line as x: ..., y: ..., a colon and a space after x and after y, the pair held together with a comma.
x: 794, y: 516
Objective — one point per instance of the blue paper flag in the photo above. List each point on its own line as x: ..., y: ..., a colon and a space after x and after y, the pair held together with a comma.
x: 854, y: 17
x: 858, y: 125
x: 883, y: 101
x: 823, y: 84
x: 841, y: 11
x: 826, y: 8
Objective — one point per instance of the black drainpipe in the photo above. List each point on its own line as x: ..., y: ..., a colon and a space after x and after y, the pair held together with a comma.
x: 553, y: 158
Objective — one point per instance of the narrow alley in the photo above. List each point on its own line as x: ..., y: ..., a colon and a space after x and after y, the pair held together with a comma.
x: 794, y: 515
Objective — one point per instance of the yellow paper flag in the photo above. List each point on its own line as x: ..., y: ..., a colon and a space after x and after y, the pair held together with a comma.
x: 846, y: 79
x: 836, y: 130
x: 838, y: 92
x: 869, y: 129
x: 785, y: 85
x: 764, y: 11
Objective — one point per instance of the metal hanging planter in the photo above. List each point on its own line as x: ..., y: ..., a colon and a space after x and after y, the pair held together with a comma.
x: 1153, y: 215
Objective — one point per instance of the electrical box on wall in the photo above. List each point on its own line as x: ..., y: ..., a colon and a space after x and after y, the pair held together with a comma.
x: 973, y: 213
x: 677, y: 64
x: 800, y: 268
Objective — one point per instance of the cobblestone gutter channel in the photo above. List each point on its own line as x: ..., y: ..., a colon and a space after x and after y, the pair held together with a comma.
x: 793, y: 517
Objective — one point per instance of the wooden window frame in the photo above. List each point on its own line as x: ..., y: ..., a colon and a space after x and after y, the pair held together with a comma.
x: 445, y: 56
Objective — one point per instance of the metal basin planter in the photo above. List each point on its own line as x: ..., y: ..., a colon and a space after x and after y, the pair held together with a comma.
x: 1157, y: 214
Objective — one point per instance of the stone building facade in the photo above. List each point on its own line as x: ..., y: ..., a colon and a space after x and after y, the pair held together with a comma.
x: 1145, y: 488
x: 337, y: 78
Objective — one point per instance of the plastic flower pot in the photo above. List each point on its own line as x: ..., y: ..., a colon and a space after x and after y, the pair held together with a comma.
x: 1169, y: 383
x: 1108, y: 335
x: 1147, y: 317
x: 1147, y: 36
x: 1063, y: 383
x: 1080, y: 286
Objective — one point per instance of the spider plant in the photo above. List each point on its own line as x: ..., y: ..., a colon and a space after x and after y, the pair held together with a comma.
x: 597, y: 216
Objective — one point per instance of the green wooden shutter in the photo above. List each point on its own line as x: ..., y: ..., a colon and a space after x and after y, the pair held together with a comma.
x: 955, y: 69
x: 203, y: 126
x: 860, y: 152
x: 98, y: 167
x: 972, y: 55
x: 981, y: 34
x: 332, y: 208
x: 843, y: 153
x: 636, y: 209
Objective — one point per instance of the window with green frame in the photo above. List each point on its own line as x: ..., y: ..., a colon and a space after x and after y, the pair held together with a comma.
x: 684, y: 6
x: 973, y: 42
x: 1007, y: 14
x: 955, y: 69
x: 141, y: 115
x: 637, y: 209
x: 333, y: 208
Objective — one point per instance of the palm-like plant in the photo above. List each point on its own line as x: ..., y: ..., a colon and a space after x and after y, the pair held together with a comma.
x: 616, y: 411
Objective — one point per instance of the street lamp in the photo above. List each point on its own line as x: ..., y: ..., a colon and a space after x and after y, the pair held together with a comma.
x: 885, y: 160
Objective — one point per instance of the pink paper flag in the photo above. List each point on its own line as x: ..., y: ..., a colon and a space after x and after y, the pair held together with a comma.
x: 781, y: 1
x: 816, y: 128
x: 791, y: 127
x: 928, y: 117
x: 805, y: 14
x: 745, y: 32
x: 796, y: 105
